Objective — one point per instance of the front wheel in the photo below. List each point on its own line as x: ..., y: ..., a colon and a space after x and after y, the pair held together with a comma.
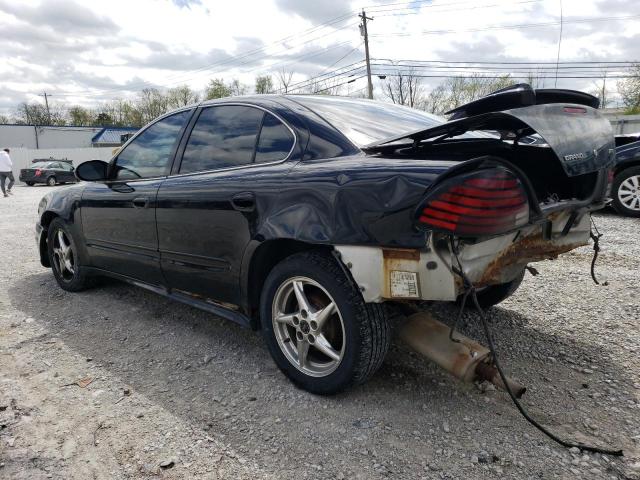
x: 64, y: 259
x: 318, y: 329
x: 51, y: 181
x: 626, y: 192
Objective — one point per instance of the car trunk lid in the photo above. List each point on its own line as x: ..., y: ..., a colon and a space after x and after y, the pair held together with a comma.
x: 580, y: 137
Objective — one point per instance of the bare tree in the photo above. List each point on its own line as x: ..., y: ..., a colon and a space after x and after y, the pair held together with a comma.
x: 404, y: 88
x: 629, y: 90
x: 38, y: 114
x: 456, y: 91
x: 151, y: 104
x: 238, y: 88
x: 181, y: 96
x: 284, y: 80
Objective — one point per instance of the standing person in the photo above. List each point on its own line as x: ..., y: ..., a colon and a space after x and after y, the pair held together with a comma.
x: 6, y: 166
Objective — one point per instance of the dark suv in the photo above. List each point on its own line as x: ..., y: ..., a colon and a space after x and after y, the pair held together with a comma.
x: 309, y: 217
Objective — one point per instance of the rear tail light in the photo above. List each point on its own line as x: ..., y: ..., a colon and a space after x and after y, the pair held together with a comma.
x: 38, y: 172
x: 488, y: 202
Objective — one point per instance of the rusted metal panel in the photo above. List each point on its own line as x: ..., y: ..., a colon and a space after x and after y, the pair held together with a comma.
x: 533, y: 248
x: 401, y: 253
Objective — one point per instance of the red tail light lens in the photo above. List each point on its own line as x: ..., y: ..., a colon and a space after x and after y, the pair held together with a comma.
x: 38, y: 172
x: 488, y: 202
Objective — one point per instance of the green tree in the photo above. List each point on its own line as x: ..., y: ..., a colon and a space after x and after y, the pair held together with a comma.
x: 217, y: 89
x: 264, y: 84
x: 102, y: 119
x: 79, y: 116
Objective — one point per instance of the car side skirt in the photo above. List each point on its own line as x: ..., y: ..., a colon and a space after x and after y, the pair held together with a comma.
x: 224, y: 311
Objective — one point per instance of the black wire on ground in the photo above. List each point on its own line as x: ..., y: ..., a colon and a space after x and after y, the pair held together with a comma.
x: 471, y: 290
x: 596, y: 250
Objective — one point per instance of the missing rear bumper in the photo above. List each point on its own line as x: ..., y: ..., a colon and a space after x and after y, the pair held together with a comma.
x: 403, y: 274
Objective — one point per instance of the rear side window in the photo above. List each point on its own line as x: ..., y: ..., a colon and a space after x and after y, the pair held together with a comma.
x: 223, y: 136
x: 275, y: 141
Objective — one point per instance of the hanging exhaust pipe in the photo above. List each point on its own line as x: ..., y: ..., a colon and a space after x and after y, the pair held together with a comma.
x: 464, y: 358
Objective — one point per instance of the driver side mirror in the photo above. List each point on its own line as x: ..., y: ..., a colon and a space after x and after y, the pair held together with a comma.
x: 92, y: 171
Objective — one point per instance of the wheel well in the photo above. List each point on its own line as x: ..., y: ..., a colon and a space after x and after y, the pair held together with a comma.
x: 45, y: 221
x: 265, y: 257
x: 624, y: 167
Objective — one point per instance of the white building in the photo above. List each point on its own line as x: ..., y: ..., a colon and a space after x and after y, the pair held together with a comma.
x: 51, y: 136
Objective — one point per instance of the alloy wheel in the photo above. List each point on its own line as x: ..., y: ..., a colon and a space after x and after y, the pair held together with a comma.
x: 308, y: 326
x: 629, y: 193
x: 63, y: 255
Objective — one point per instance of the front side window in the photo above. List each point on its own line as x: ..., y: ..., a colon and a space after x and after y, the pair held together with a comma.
x: 149, y: 154
x: 224, y: 136
x: 275, y: 141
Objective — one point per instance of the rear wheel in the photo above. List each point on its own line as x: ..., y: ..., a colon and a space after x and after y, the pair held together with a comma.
x: 63, y: 258
x: 30, y: 184
x: 318, y: 329
x: 626, y: 192
x: 51, y: 181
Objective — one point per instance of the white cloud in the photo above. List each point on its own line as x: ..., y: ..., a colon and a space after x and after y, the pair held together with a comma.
x: 101, y: 50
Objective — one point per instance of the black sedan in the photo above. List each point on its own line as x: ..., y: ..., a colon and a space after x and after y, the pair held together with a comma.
x: 51, y: 173
x: 310, y: 218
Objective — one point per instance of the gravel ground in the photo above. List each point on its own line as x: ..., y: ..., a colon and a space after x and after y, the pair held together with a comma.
x: 178, y: 393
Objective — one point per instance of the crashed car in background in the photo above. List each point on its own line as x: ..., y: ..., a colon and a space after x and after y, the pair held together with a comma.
x: 311, y: 217
x: 625, y: 192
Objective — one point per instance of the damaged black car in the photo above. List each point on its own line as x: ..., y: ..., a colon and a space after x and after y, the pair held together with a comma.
x: 311, y: 217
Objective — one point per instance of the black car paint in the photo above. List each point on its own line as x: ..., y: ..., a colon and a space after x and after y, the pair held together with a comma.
x: 206, y: 240
x: 627, y: 155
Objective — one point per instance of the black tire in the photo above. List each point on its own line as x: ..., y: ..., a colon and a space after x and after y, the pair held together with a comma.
x: 494, y: 294
x: 30, y: 184
x: 620, y: 178
x: 51, y: 181
x: 366, y: 328
x: 77, y: 280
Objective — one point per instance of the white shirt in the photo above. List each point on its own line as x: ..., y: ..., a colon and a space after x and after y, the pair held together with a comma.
x: 5, y: 162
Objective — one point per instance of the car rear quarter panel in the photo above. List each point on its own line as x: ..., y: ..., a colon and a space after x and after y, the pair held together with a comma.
x: 357, y: 200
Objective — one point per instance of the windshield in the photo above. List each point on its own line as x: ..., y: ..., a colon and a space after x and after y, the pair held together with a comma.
x: 367, y: 121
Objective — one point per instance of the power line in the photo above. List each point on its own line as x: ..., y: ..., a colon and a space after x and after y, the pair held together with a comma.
x: 505, y: 27
x: 474, y: 6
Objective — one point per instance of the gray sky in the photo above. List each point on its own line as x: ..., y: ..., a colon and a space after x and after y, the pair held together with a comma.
x: 95, y: 51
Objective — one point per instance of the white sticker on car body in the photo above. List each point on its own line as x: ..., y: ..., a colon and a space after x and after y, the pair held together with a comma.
x: 404, y: 284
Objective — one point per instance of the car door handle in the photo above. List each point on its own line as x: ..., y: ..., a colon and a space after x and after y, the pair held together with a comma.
x: 141, y: 202
x: 244, y: 201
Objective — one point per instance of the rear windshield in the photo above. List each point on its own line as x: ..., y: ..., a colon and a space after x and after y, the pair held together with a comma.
x: 366, y: 121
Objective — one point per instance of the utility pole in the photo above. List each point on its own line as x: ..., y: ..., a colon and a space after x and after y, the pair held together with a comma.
x: 363, y: 32
x: 46, y: 102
